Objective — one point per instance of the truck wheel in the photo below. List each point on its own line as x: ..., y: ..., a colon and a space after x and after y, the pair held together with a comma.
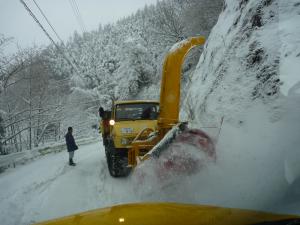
x: 117, y: 161
x: 108, y: 160
x: 104, y: 140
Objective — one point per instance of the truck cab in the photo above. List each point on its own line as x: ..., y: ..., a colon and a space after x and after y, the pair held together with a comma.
x: 127, y: 120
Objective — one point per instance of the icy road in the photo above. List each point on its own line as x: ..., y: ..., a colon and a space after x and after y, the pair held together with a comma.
x: 48, y: 188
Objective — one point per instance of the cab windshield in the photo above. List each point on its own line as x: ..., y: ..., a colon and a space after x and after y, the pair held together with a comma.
x: 137, y: 111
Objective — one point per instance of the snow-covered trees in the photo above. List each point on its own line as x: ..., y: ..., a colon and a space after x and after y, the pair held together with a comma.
x: 44, y: 91
x: 168, y: 21
x: 29, y: 100
x: 2, y: 135
x: 9, y: 65
x: 135, y: 71
x: 123, y: 58
x: 199, y: 16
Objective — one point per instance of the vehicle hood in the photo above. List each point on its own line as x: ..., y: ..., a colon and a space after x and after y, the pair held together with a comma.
x: 171, y: 213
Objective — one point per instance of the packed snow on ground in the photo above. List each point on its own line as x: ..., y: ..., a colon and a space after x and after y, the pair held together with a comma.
x: 49, y: 188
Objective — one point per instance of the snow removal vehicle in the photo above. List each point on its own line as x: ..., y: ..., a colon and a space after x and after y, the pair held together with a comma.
x: 137, y: 130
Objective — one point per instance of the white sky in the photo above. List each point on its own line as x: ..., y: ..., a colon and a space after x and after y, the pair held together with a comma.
x: 16, y: 22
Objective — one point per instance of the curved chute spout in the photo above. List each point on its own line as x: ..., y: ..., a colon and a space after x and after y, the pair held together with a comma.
x: 170, y: 86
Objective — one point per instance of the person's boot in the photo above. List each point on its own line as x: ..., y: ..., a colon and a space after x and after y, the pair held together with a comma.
x: 72, y: 163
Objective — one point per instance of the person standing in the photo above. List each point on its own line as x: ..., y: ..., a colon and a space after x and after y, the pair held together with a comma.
x: 104, y: 127
x: 71, y: 145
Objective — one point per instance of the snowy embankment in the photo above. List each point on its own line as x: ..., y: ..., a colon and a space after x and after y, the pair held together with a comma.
x: 249, y: 73
x: 20, y: 158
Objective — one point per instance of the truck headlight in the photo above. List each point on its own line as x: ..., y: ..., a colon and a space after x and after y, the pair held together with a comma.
x: 111, y: 122
x: 124, y: 141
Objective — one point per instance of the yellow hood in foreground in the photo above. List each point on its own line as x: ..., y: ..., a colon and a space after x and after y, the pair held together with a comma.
x: 167, y: 213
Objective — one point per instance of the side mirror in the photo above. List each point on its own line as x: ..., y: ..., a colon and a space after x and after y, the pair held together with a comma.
x: 101, y: 112
x: 154, y: 115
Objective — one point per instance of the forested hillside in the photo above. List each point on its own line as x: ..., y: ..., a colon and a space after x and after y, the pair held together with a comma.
x: 45, y: 90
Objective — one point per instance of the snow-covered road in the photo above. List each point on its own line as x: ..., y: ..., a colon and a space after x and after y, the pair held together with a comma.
x: 48, y: 187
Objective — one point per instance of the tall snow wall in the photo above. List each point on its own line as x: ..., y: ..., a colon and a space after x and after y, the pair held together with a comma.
x: 249, y: 74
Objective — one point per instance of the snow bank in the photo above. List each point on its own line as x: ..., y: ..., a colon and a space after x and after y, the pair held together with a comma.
x: 289, y: 33
x: 21, y: 158
x: 247, y: 73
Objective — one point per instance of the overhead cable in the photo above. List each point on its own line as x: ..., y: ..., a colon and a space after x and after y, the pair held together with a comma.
x: 50, y: 38
x: 77, y: 14
x: 41, y: 11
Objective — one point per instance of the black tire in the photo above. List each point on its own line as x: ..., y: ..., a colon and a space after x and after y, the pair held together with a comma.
x: 105, y: 140
x: 117, y: 161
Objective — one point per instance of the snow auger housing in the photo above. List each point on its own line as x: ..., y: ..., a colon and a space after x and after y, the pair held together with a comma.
x: 131, y: 138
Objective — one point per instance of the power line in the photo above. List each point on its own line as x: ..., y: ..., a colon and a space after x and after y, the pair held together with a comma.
x: 41, y: 11
x: 77, y: 15
x: 50, y: 38
x: 80, y: 15
x: 37, y: 21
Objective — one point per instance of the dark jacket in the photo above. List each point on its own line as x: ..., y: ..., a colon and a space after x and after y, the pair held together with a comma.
x: 71, y: 145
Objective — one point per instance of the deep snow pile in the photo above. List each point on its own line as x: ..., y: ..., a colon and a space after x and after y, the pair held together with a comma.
x: 248, y: 74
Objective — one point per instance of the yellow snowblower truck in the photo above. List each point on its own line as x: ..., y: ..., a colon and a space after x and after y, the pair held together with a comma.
x: 127, y: 120
x: 137, y: 130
